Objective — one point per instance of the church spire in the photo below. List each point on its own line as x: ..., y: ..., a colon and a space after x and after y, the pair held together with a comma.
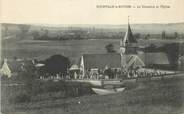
x: 128, y: 43
x: 128, y: 38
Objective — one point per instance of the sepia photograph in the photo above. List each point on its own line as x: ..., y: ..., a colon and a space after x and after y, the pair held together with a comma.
x: 102, y: 57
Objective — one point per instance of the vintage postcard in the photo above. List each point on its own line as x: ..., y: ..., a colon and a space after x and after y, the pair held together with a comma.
x: 92, y: 56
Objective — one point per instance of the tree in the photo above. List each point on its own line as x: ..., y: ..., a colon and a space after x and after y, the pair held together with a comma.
x: 172, y: 50
x: 57, y: 64
x: 6, y: 30
x: 36, y: 35
x: 24, y: 30
x: 45, y: 35
x: 110, y: 48
x: 163, y: 35
x: 137, y: 35
x: 175, y: 35
x: 151, y: 48
x: 147, y: 36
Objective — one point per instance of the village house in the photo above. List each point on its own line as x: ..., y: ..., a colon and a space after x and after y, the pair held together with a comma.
x: 5, y: 70
x: 13, y: 67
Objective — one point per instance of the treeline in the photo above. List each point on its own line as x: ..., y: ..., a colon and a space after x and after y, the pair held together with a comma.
x: 98, y: 34
x: 75, y: 35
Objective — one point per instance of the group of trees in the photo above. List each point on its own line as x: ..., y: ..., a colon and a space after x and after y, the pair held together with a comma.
x: 24, y: 30
x: 56, y: 64
x: 48, y: 34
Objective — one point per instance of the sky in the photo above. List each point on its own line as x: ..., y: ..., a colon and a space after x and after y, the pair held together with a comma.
x: 86, y: 11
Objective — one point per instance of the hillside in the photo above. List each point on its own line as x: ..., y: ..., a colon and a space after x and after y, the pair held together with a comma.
x: 9, y: 29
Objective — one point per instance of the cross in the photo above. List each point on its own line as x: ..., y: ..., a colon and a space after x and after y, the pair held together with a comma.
x: 128, y: 18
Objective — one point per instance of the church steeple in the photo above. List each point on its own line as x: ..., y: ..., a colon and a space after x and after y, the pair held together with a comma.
x: 129, y: 38
x: 128, y: 41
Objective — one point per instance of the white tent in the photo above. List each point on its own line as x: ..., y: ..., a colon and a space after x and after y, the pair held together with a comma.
x: 74, y: 67
x: 39, y: 65
x: 5, y: 70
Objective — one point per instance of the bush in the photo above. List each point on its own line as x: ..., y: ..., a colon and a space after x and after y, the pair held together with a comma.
x: 3, y: 77
x: 20, y: 97
x: 51, y: 86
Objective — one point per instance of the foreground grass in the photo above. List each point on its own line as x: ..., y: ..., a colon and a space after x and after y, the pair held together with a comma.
x: 155, y: 97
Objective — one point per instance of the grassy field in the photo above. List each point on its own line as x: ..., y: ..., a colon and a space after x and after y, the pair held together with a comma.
x: 70, y: 48
x: 154, y: 97
x: 44, y: 49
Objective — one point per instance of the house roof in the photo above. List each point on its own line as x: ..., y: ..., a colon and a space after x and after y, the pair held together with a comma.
x: 17, y: 66
x: 14, y: 66
x: 158, y: 58
x: 102, y: 60
x: 5, y: 70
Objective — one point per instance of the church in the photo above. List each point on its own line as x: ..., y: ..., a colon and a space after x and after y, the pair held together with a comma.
x: 129, y: 57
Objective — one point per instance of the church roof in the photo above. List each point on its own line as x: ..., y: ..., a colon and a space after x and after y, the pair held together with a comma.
x: 133, y: 60
x: 111, y: 60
